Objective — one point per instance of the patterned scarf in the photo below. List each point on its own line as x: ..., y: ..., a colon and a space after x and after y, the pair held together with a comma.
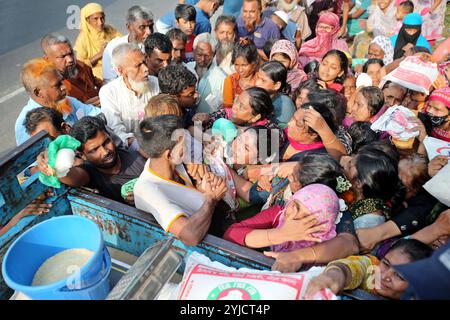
x: 365, y: 206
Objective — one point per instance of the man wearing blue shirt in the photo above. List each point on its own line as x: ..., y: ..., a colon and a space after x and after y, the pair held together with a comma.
x: 251, y: 24
x: 45, y: 86
x: 205, y: 10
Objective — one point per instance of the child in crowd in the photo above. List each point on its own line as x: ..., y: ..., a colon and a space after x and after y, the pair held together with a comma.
x: 185, y: 16
x: 404, y: 8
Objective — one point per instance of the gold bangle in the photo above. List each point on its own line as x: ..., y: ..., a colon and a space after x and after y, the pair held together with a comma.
x: 333, y: 267
x: 328, y: 143
x: 268, y: 239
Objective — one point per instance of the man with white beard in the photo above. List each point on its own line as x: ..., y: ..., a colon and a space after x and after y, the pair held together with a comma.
x: 123, y: 100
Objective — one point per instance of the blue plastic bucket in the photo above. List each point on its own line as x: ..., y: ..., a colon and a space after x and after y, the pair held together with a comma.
x: 44, y: 240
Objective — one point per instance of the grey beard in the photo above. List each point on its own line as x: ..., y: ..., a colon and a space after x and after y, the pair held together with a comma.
x: 70, y: 73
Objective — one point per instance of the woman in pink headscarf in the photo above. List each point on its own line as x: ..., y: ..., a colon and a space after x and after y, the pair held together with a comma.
x: 326, y: 39
x: 284, y: 51
x: 308, y: 217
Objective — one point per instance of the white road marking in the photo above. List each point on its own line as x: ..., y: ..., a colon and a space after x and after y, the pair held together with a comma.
x: 12, y: 94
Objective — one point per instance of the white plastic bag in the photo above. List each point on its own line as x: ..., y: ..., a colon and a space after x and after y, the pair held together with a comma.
x: 207, y: 280
x: 397, y: 122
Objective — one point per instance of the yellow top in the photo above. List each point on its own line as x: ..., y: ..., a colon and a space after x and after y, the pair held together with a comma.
x: 90, y: 41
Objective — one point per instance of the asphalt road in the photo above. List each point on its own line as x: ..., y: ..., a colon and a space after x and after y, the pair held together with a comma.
x: 23, y: 23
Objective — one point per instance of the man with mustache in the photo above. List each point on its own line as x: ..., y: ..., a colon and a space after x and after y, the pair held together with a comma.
x: 251, y: 24
x: 44, y: 84
x: 139, y: 22
x: 103, y: 166
x: 124, y: 99
x: 79, y: 80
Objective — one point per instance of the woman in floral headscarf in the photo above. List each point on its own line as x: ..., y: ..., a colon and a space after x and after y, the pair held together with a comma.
x: 381, y: 48
x: 326, y: 39
x: 93, y: 37
x: 285, y: 52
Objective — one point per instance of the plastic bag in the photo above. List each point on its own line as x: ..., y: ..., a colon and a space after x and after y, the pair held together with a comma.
x: 204, y: 279
x: 397, y: 122
x: 62, y: 142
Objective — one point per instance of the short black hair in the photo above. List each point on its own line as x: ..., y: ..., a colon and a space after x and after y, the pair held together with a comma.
x: 227, y: 19
x: 315, y: 167
x: 177, y: 34
x: 311, y: 66
x: 159, y: 41
x: 185, y: 12
x: 311, y: 85
x: 248, y: 51
x: 415, y: 249
x: 374, y: 97
x: 378, y: 174
x: 174, y: 78
x: 267, y: 48
x: 43, y: 114
x: 407, y: 5
x: 156, y: 134
x: 261, y: 102
x: 324, y: 112
x: 372, y: 61
x: 361, y: 134
x: 87, y: 128
x: 385, y: 147
x: 333, y: 100
x: 278, y: 73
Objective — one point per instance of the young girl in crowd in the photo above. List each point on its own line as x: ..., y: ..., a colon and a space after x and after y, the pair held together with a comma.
x: 333, y: 70
x: 301, y: 94
x: 245, y: 59
x: 285, y: 52
x: 272, y: 77
x: 367, y: 106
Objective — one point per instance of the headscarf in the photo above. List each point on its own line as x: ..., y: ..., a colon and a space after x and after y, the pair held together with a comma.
x: 386, y: 45
x: 324, y: 41
x: 442, y: 95
x: 320, y: 200
x: 412, y: 21
x: 295, y: 75
x: 94, y: 38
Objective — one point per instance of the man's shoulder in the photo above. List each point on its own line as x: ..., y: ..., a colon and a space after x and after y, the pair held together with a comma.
x: 115, y: 42
x: 111, y: 86
x: 267, y: 23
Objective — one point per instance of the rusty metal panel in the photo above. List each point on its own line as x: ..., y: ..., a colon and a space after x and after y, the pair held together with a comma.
x: 16, y: 197
x: 133, y: 231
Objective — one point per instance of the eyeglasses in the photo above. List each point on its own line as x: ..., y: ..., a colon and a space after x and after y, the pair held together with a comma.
x: 325, y: 27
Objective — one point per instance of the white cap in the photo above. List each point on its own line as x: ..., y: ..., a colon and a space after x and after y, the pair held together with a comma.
x: 282, y: 15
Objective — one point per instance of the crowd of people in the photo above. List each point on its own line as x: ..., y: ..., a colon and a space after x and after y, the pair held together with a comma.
x: 259, y: 128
